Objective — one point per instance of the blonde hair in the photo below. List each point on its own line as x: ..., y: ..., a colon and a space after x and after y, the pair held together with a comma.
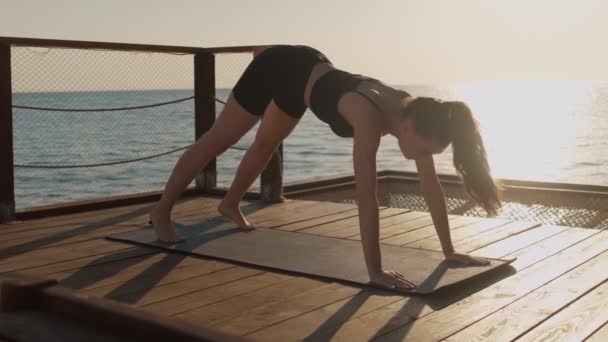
x: 453, y: 122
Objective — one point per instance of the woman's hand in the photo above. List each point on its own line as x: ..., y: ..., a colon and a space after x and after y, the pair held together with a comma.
x: 467, y: 259
x: 392, y: 280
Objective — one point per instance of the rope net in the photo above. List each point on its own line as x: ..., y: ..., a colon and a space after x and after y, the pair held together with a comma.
x: 91, y: 123
x: 584, y: 211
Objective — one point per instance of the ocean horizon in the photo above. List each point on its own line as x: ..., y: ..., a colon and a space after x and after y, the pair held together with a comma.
x: 553, y: 131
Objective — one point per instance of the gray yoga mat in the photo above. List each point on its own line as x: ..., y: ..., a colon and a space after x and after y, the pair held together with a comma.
x: 309, y: 254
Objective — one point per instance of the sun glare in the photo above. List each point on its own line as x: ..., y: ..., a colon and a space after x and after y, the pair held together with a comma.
x: 530, y: 128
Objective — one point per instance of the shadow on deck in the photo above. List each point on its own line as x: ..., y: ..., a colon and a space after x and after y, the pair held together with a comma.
x: 110, y: 289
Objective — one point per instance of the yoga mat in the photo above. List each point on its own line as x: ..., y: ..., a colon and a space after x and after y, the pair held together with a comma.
x: 308, y: 254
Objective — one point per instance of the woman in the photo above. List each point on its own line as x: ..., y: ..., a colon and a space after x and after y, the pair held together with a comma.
x: 279, y: 84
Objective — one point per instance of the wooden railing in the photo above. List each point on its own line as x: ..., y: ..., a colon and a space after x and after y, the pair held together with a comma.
x: 204, y: 117
x: 204, y: 112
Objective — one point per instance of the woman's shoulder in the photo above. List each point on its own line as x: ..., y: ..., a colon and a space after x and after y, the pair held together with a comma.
x: 382, y: 94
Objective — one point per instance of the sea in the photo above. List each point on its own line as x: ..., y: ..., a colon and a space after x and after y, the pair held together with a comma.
x: 553, y: 131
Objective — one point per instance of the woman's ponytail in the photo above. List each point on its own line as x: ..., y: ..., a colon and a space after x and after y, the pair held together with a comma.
x: 469, y: 157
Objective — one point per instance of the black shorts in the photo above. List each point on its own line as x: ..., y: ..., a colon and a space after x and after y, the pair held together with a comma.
x: 278, y: 73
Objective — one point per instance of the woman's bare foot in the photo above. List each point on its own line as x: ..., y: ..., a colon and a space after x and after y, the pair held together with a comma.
x: 164, y: 228
x: 233, y: 212
x: 282, y: 199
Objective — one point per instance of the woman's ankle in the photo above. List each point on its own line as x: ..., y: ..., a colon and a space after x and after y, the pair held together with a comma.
x: 161, y: 212
x: 229, y: 203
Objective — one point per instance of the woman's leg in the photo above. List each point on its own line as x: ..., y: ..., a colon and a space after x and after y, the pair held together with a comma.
x: 232, y: 123
x: 275, y: 126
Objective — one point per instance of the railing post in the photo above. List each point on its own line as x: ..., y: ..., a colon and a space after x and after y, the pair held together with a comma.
x: 7, y: 172
x: 272, y: 177
x: 204, y: 111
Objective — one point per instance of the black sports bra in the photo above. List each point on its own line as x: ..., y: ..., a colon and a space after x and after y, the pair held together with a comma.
x: 326, y: 93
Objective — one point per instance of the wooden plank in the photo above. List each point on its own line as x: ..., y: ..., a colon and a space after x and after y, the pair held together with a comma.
x: 24, y: 245
x: 439, y: 324
x: 208, y: 296
x: 280, y: 218
x: 273, y: 313
x: 146, y: 293
x: 601, y: 335
x: 354, y: 229
x: 187, y: 202
x: 491, y: 236
x: 190, y: 211
x: 87, y: 261
x: 322, y: 323
x: 389, y: 217
x: 47, y: 256
x: 456, y: 222
x: 350, y: 226
x: 138, y: 212
x: 68, y: 234
x: 196, y: 215
x: 463, y: 232
x: 416, y: 234
x: 394, y: 225
x: 266, y: 215
x: 516, y: 318
x: 409, y: 229
x: 400, y: 218
x: 232, y: 307
x: 58, y: 221
x: 124, y: 270
x: 73, y: 234
x: 80, y: 206
x: 365, y: 324
x: 164, y: 269
x: 519, y: 241
x: 300, y: 225
x: 427, y: 225
x: 259, y: 213
x: 575, y: 322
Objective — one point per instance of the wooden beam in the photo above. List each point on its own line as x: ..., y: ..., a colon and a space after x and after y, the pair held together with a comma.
x: 20, y: 292
x: 78, y: 44
x: 204, y: 111
x: 7, y: 172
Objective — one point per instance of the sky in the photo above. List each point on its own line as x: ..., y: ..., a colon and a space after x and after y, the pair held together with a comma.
x: 399, y: 42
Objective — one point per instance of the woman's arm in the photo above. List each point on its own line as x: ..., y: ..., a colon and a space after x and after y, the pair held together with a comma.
x: 434, y: 196
x: 365, y: 146
x: 363, y: 117
x: 435, y: 199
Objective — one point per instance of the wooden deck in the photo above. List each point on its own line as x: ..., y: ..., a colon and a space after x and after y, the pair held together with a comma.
x: 559, y: 291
